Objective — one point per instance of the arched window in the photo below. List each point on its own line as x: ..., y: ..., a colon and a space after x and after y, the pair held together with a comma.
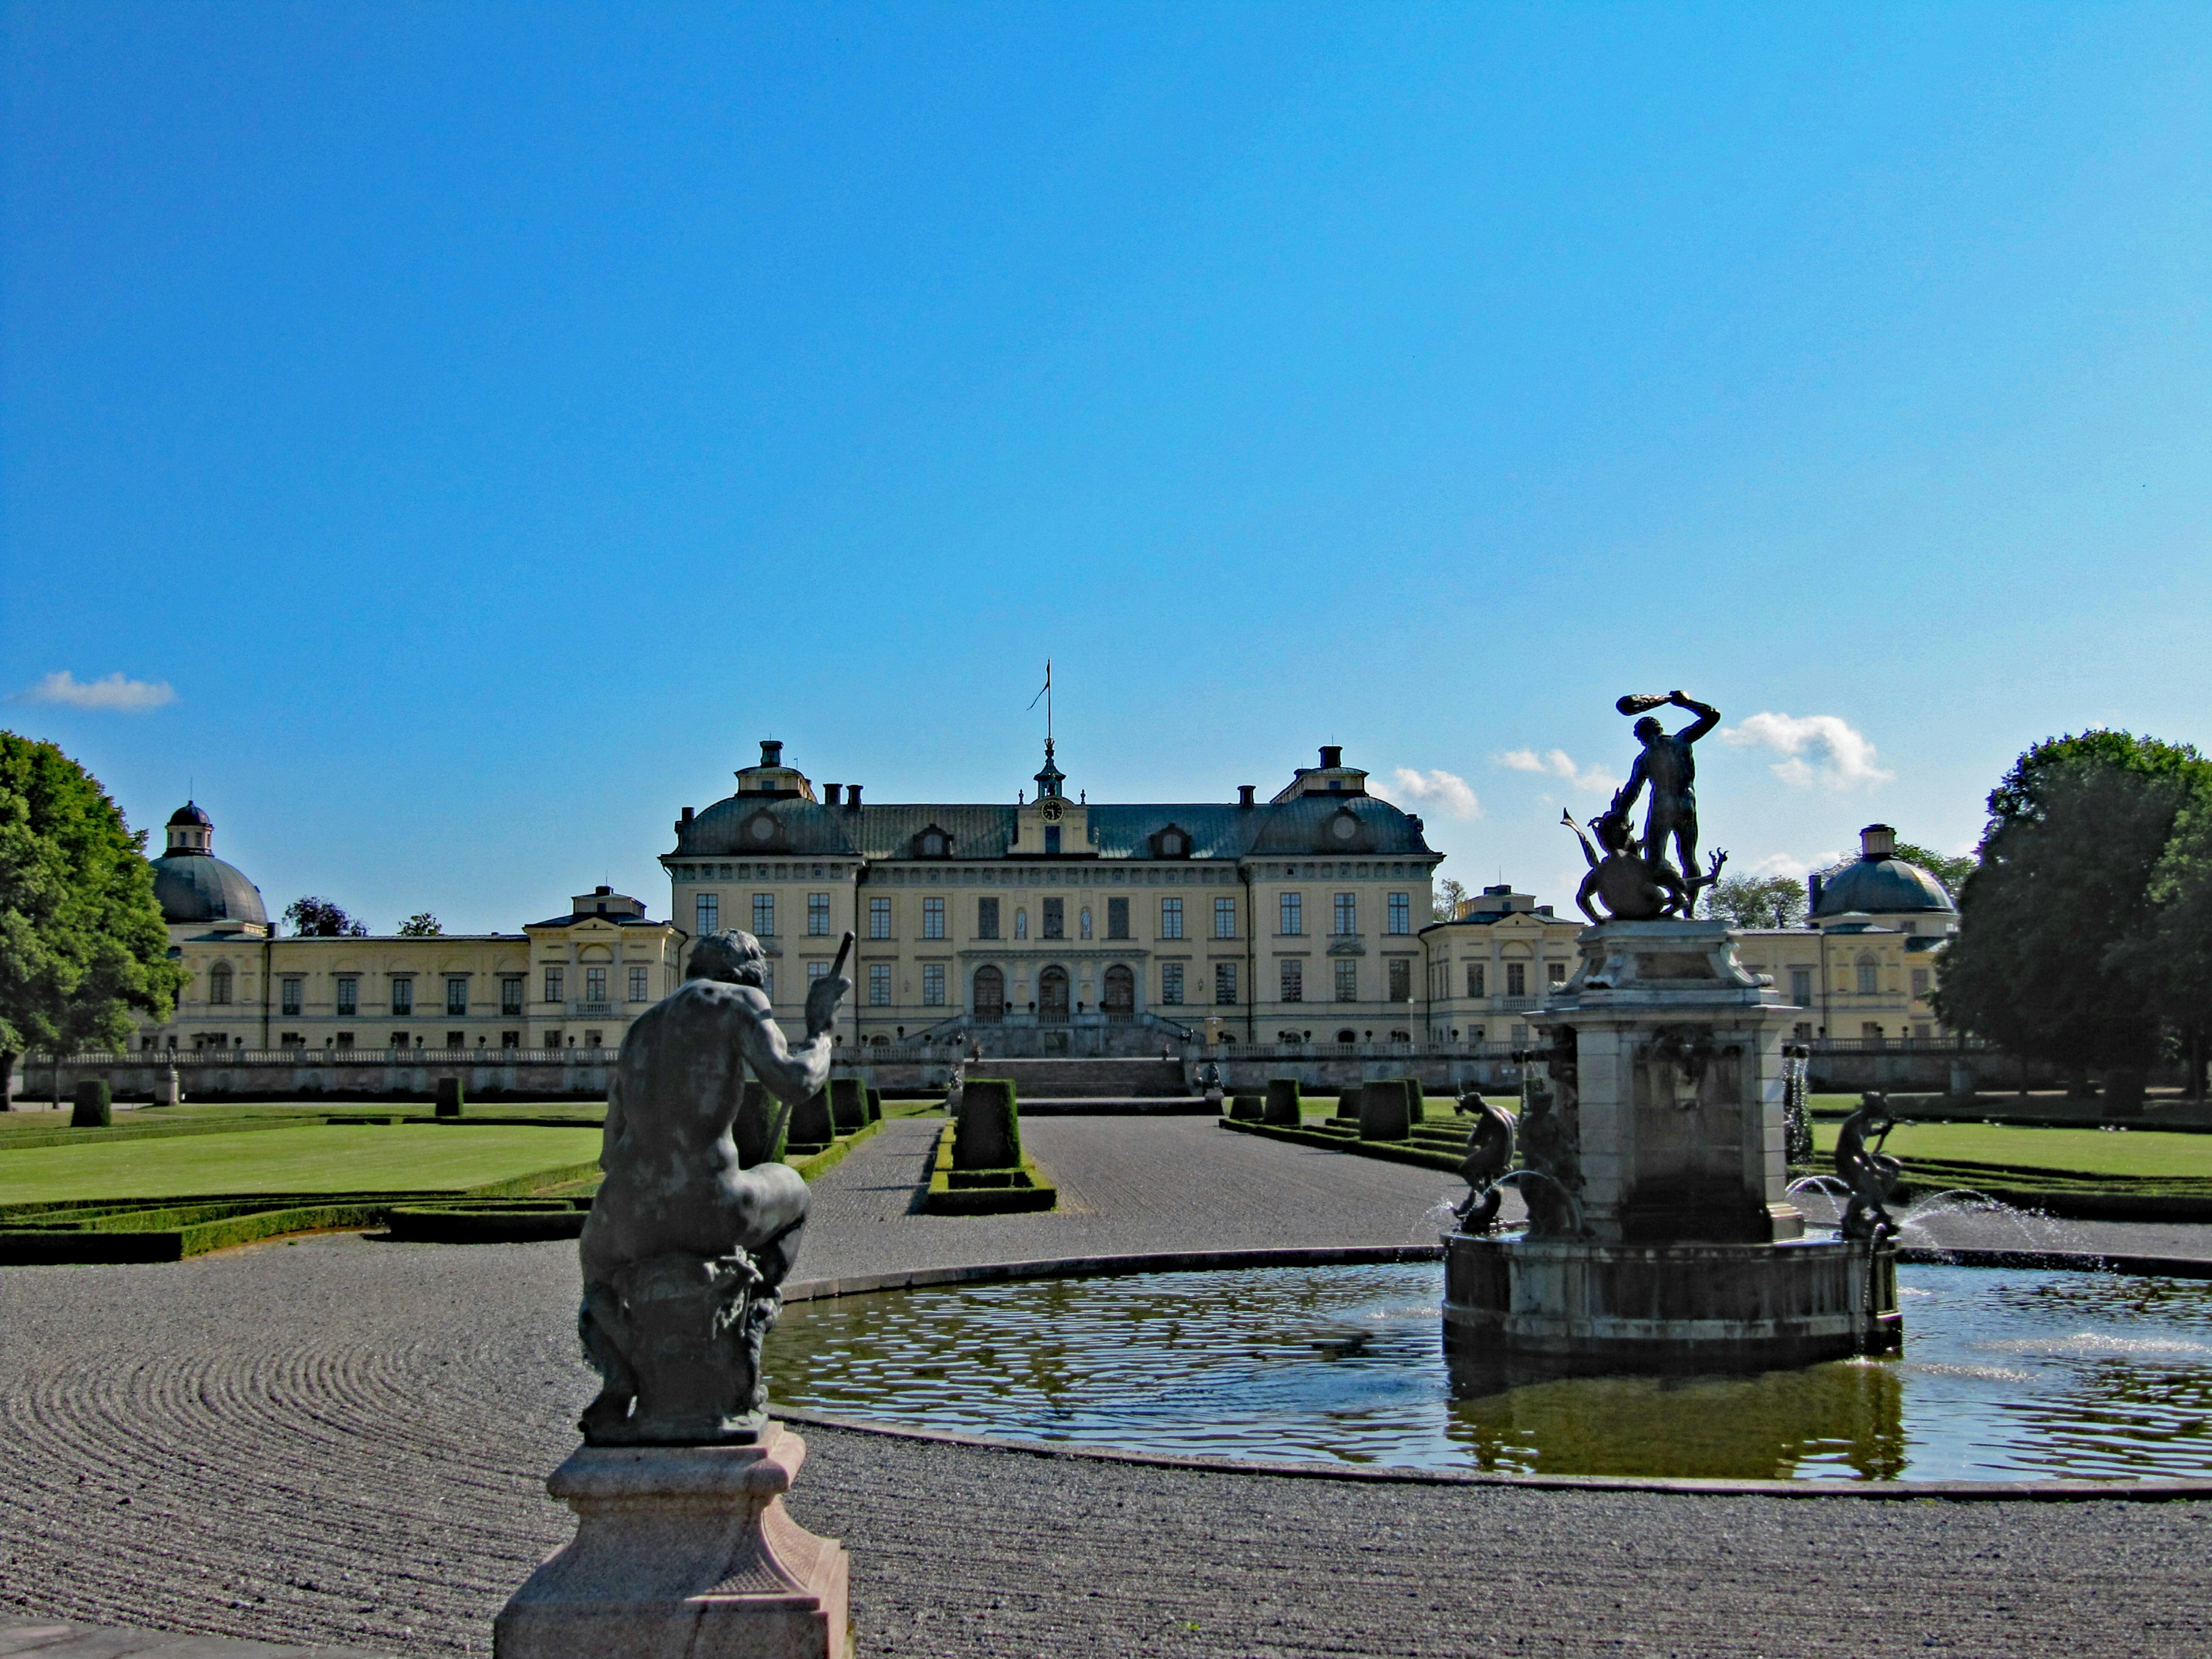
x: 219, y: 982
x: 990, y: 1003
x: 1120, y: 991
x: 1347, y: 1037
x: 1052, y: 996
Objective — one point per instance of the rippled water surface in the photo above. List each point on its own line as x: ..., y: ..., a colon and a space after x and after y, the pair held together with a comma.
x: 2006, y: 1376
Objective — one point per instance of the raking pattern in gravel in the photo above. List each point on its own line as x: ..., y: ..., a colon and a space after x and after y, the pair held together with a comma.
x: 344, y: 1441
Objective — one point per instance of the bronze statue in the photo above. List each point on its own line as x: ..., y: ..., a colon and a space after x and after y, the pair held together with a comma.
x: 1489, y: 1154
x: 1668, y: 767
x: 1870, y: 1173
x: 684, y: 1249
x: 1633, y: 888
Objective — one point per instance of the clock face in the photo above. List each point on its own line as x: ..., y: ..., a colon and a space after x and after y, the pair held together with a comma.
x: 1345, y: 828
x: 1052, y: 811
x: 763, y: 829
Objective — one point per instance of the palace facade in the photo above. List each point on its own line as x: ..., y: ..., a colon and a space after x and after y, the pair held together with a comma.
x: 1049, y: 925
x: 1128, y: 924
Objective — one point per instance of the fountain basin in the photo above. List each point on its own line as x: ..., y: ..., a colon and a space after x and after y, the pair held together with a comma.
x: 2008, y: 1375
x: 1574, y: 1304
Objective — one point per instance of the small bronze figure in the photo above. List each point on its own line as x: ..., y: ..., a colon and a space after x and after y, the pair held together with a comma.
x: 1870, y: 1173
x: 1489, y: 1154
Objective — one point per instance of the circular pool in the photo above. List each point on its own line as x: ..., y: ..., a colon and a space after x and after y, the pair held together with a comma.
x: 2006, y: 1376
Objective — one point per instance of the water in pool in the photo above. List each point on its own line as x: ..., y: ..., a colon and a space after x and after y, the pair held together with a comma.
x: 2005, y: 1375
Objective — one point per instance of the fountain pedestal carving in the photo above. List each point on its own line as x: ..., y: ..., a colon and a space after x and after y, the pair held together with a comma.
x: 1660, y: 1234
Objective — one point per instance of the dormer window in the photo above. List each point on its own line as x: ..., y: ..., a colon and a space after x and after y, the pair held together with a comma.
x: 1172, y: 842
x: 933, y: 843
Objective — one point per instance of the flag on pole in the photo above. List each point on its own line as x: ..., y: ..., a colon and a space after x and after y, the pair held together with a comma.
x: 1048, y: 682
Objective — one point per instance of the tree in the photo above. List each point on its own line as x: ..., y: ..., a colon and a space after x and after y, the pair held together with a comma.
x: 1756, y: 901
x: 2059, y: 917
x: 1449, y: 896
x: 421, y: 925
x: 83, y: 950
x: 2173, y: 962
x: 1951, y: 869
x: 320, y: 918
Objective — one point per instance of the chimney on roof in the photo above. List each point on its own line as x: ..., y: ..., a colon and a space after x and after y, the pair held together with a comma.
x: 1878, y: 841
x: 687, y: 815
x: 1332, y: 755
x: 1244, y: 794
x: 771, y: 752
x: 833, y: 794
x: 852, y: 794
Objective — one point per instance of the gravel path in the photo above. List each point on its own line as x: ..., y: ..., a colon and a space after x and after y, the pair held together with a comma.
x: 342, y: 1442
x: 1126, y: 1185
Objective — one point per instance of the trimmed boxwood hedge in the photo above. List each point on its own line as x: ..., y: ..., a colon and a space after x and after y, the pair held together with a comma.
x: 1282, y: 1105
x: 1005, y: 1191
x: 94, y: 1106
x: 988, y: 1134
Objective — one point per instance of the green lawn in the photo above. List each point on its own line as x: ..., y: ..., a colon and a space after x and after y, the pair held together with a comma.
x: 2093, y: 1151
x: 400, y: 1158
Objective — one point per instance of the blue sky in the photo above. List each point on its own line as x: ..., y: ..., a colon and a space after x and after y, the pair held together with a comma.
x: 488, y: 423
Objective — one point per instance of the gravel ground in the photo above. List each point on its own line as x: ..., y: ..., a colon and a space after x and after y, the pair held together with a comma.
x: 342, y: 1442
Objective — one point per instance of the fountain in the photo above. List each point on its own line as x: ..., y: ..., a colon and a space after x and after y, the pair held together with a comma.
x: 1660, y: 1232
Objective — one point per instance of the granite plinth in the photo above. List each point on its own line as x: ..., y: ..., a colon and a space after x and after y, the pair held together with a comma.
x: 683, y: 1552
x: 1576, y: 1304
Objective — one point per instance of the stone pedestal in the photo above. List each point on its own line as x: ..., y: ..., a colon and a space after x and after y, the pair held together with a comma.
x: 1663, y: 1088
x: 683, y: 1552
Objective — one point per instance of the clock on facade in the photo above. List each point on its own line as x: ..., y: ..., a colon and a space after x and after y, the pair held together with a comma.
x: 1052, y: 811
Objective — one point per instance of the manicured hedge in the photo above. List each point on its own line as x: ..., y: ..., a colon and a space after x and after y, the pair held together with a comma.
x: 1385, y: 1110
x: 1347, y: 1105
x: 1282, y: 1105
x: 96, y: 1105
x: 957, y: 1191
x: 848, y: 1104
x: 450, y: 1097
x: 1248, y: 1108
x: 811, y: 1125
x: 989, y: 1135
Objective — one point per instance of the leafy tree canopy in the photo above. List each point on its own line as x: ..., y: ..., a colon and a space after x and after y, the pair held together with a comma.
x: 1450, y: 894
x: 1756, y: 901
x: 83, y: 950
x: 1952, y: 869
x: 421, y: 925
x: 2061, y: 912
x: 320, y: 918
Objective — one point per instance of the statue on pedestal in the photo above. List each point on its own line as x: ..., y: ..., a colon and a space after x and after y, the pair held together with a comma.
x: 1632, y: 877
x: 683, y: 1543
x: 684, y: 1249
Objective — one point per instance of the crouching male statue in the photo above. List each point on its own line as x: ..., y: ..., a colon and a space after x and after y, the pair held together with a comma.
x: 685, y: 1249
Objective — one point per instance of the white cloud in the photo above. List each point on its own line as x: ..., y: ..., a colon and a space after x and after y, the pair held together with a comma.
x: 1558, y: 763
x: 1782, y: 864
x: 115, y: 692
x: 1446, y: 790
x: 1816, y: 748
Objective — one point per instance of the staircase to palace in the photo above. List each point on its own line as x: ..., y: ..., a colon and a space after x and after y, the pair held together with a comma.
x: 1083, y: 1084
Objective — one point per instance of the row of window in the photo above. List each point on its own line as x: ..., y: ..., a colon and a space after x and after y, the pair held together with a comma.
x: 1053, y: 916
x: 291, y: 990
x: 1120, y: 986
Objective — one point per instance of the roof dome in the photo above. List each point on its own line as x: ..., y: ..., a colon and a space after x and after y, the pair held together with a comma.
x: 201, y: 887
x: 1878, y: 882
x: 193, y: 885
